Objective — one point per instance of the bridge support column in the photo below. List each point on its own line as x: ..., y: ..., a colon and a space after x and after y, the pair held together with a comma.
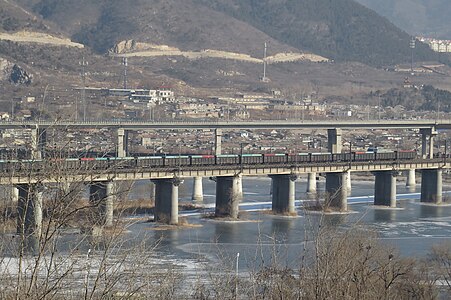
x: 29, y: 215
x: 240, y: 186
x: 38, y: 142
x: 311, y: 183
x: 283, y: 196
x: 167, y: 200
x: 14, y: 194
x: 431, y: 186
x: 336, y: 191
x: 218, y: 141
x: 122, y: 143
x: 227, y: 197
x: 334, y: 140
x: 385, y: 188
x: 425, y: 133
x: 102, y: 194
x: 411, y: 182
x: 348, y: 182
x: 152, y: 191
x: 198, y: 194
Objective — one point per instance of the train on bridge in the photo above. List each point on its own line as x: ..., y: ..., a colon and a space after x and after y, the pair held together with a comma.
x: 163, y: 161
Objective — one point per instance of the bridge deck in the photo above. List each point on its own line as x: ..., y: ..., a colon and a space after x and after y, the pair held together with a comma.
x: 118, y: 174
x: 261, y: 124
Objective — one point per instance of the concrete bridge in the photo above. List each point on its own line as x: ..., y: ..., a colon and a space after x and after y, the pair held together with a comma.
x: 228, y: 179
x: 428, y: 129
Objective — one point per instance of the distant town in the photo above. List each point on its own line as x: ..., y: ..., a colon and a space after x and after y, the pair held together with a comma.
x: 162, y: 104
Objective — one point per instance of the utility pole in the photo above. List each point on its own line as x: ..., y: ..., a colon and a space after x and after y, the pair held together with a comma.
x: 83, y: 64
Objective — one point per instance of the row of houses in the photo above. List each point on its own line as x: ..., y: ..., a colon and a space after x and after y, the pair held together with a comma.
x: 159, y: 95
x: 443, y: 46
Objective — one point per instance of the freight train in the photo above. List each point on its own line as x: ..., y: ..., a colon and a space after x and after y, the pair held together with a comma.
x: 145, y: 162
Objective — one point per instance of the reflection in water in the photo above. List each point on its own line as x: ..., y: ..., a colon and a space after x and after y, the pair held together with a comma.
x: 282, y: 226
x: 384, y: 215
x: 429, y: 211
x: 228, y: 232
x: 168, y: 238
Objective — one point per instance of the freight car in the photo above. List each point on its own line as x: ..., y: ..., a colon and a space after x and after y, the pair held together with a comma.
x: 171, y: 161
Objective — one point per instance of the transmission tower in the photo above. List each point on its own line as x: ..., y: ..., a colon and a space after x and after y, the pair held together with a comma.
x: 412, y: 47
x: 125, y: 63
x: 83, y: 64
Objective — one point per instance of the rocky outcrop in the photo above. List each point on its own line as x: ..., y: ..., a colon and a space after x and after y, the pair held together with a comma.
x: 19, y: 76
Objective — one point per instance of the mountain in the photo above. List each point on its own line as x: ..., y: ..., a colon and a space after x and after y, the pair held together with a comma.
x: 202, y: 47
x: 430, y: 18
x: 342, y: 30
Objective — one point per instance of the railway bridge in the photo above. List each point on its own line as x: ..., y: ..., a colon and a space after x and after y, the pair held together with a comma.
x: 228, y: 177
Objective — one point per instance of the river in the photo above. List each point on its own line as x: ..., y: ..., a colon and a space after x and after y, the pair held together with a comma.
x: 412, y: 228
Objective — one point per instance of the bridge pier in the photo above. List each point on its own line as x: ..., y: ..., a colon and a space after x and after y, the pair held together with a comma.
x: 14, y: 194
x: 411, y: 182
x: 240, y: 186
x: 336, y: 191
x: 102, y: 194
x: 283, y: 196
x: 334, y: 142
x: 167, y: 200
x: 198, y: 194
x: 122, y: 143
x: 38, y: 142
x: 311, y: 183
x: 385, y: 188
x: 431, y: 186
x: 227, y: 196
x: 348, y: 182
x: 425, y: 134
x: 218, y: 141
x: 152, y: 191
x: 29, y: 215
